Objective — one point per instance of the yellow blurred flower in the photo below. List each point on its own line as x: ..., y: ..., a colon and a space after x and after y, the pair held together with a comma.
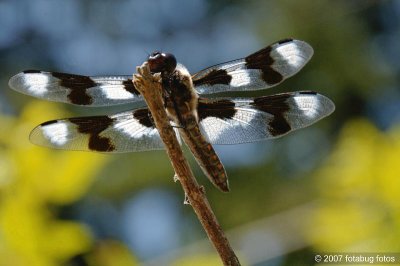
x: 31, y: 179
x: 199, y: 260
x: 111, y: 253
x: 360, y: 190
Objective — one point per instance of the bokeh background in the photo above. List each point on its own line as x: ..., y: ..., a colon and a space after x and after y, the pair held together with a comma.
x: 333, y: 187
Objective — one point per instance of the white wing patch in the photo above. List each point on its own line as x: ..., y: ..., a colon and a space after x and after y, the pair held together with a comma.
x: 291, y: 57
x: 242, y: 78
x: 132, y: 128
x: 56, y: 134
x: 35, y: 85
x: 310, y: 106
x: 113, y: 92
x: 238, y: 129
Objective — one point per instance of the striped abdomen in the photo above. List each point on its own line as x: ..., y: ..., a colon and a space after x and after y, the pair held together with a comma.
x: 205, y: 156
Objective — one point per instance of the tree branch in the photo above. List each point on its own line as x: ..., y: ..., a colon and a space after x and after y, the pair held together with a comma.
x: 150, y: 87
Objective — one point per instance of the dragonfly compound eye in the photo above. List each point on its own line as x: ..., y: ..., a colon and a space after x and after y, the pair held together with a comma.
x: 162, y: 62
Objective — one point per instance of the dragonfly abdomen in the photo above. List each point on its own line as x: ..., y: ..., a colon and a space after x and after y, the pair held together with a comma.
x: 206, y: 156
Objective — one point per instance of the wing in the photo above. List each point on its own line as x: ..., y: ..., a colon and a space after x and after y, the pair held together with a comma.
x: 123, y: 132
x: 263, y: 69
x: 234, y: 121
x: 76, y: 89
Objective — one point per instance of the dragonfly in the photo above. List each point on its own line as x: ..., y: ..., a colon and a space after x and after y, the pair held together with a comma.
x: 199, y: 120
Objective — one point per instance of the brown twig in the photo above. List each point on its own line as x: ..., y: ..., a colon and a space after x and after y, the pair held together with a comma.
x: 150, y: 87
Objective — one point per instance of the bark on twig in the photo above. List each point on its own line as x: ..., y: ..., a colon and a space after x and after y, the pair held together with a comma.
x: 150, y: 87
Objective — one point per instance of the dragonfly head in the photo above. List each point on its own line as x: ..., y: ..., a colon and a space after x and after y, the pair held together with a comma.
x: 162, y: 62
